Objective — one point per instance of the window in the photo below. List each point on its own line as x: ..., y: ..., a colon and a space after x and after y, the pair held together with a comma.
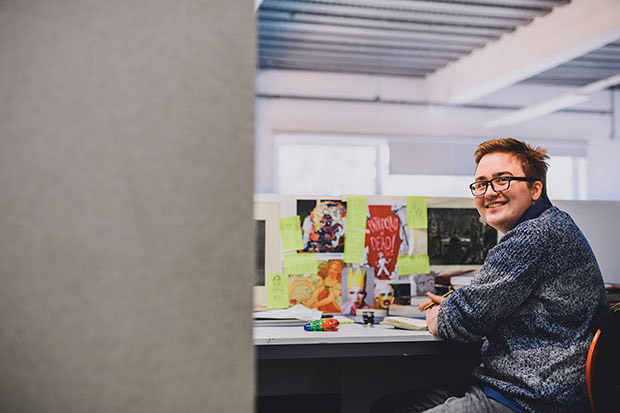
x: 327, y: 169
x: 337, y: 165
x: 427, y: 185
x: 566, y: 177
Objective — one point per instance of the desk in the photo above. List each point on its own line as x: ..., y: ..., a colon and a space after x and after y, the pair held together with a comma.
x: 358, y: 363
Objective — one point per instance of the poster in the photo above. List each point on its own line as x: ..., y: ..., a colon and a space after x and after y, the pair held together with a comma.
x: 387, y: 293
x: 387, y: 237
x: 322, y: 224
x: 458, y: 236
x: 322, y: 290
x: 357, y: 288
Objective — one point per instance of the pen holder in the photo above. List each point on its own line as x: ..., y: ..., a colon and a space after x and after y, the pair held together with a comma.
x: 369, y: 316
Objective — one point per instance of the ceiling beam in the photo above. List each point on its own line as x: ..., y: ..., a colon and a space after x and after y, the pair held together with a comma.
x: 554, y: 104
x: 567, y: 32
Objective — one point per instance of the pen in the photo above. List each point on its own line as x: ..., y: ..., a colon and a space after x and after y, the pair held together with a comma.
x: 433, y: 303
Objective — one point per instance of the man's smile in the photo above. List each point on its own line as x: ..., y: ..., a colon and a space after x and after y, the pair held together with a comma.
x: 495, y: 205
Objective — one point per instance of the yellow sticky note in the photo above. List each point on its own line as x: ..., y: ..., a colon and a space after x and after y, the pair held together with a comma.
x: 300, y: 264
x: 277, y: 291
x: 406, y: 265
x: 356, y: 212
x: 290, y: 232
x: 421, y: 264
x: 354, y: 245
x: 416, y: 212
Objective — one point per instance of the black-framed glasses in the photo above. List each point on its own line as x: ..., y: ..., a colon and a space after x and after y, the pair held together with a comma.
x: 499, y: 184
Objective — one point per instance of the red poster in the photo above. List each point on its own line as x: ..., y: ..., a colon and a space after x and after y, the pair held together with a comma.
x: 383, y: 240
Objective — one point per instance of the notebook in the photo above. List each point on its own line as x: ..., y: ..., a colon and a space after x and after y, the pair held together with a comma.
x: 405, y: 322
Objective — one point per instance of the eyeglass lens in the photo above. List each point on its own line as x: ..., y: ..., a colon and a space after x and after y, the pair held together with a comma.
x: 498, y: 184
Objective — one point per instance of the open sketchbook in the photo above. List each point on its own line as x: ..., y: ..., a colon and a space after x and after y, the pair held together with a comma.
x: 405, y: 322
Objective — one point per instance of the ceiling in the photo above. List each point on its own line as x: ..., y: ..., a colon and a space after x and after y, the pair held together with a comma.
x: 426, y: 39
x: 588, y: 68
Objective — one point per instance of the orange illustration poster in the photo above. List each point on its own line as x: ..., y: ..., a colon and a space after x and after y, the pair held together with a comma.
x: 321, y: 291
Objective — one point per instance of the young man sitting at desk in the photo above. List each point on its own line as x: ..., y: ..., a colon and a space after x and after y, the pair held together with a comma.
x: 532, y: 304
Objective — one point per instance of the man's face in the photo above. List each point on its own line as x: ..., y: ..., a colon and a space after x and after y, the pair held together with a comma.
x: 502, y: 210
x: 357, y: 295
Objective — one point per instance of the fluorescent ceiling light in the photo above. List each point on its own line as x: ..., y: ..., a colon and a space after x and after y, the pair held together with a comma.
x: 553, y: 104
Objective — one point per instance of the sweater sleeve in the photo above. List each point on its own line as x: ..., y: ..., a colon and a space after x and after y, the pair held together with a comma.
x: 508, y: 276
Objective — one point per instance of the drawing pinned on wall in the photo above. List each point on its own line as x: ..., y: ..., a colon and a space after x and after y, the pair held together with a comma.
x: 424, y: 283
x: 417, y: 212
x: 357, y: 288
x: 323, y: 224
x: 387, y: 237
x: 321, y: 290
x: 277, y: 291
x: 357, y: 213
x: 290, y: 233
x: 458, y: 236
x: 300, y: 263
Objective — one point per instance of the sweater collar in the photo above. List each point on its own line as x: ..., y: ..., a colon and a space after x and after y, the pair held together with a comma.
x: 535, y: 210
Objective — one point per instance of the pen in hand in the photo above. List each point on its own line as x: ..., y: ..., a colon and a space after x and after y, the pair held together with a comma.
x: 429, y: 305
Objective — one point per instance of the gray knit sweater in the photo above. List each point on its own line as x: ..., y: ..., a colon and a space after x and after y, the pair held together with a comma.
x: 532, y: 306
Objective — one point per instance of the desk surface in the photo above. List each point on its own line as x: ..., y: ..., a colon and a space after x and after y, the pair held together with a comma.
x: 346, y: 334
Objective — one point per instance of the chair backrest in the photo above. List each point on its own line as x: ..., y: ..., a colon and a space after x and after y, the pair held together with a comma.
x: 600, y: 381
x: 590, y: 361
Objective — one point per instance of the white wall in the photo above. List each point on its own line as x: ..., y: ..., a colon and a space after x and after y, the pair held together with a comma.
x: 600, y: 223
x: 302, y: 102
x: 125, y: 278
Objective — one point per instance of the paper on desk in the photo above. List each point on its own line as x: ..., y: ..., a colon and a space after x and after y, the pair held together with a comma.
x: 299, y: 312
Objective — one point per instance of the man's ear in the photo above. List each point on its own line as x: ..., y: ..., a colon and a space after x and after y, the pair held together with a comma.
x: 537, y: 187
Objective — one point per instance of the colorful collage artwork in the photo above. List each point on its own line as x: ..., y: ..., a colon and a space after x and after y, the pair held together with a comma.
x: 339, y: 287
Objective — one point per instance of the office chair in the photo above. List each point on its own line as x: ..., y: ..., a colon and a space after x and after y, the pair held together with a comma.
x: 603, y: 390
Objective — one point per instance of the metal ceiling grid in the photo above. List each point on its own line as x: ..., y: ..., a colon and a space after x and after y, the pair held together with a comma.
x: 384, y: 37
x: 586, y: 69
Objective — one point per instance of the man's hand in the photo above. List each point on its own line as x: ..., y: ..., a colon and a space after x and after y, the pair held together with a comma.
x: 431, y: 313
x: 431, y: 320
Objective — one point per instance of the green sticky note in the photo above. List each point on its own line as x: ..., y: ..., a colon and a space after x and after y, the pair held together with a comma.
x: 277, y: 291
x: 416, y: 212
x: 406, y: 265
x: 290, y: 232
x: 354, y: 246
x: 421, y: 264
x: 356, y: 212
x: 300, y: 264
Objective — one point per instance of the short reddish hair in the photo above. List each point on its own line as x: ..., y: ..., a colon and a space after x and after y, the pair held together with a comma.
x: 532, y: 159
